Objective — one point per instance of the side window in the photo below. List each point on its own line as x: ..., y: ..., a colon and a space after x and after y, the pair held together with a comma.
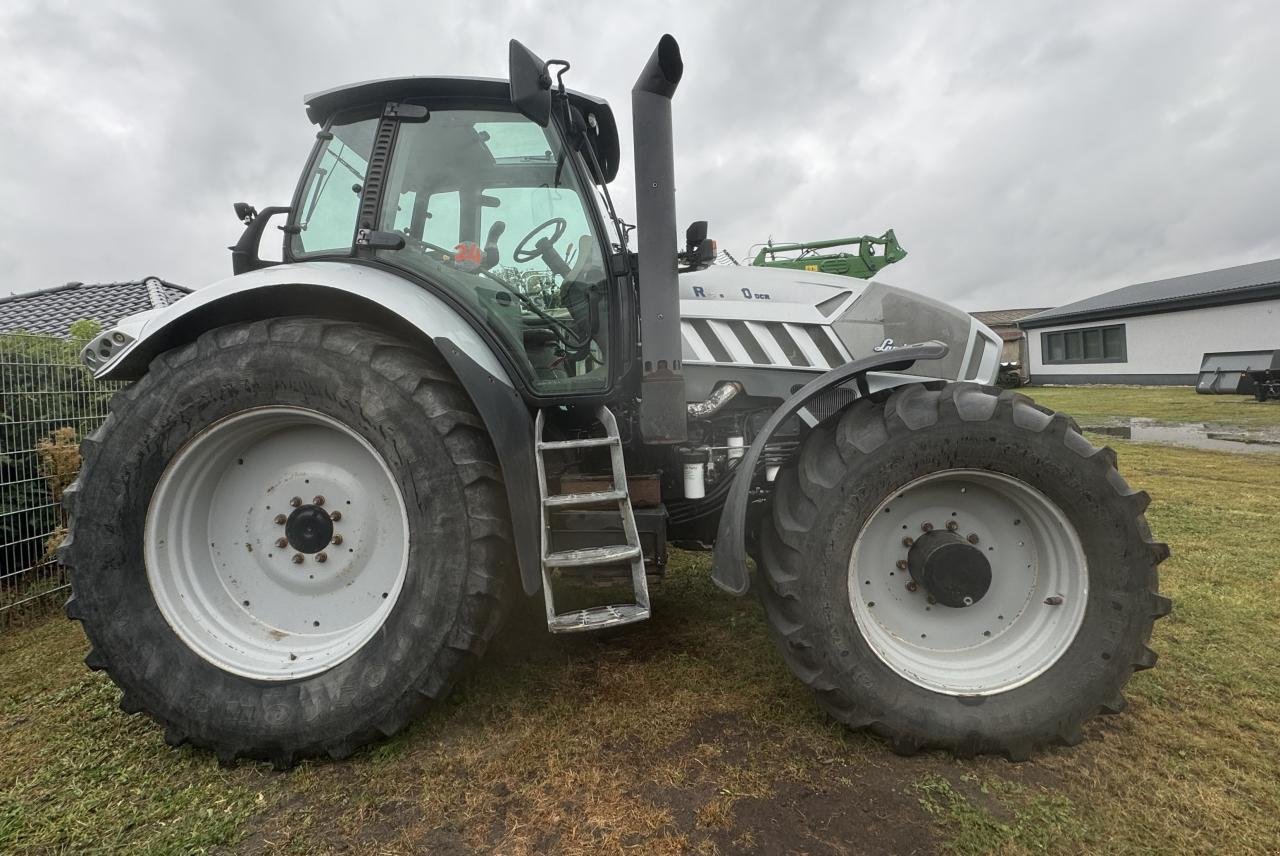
x: 451, y: 181
x: 404, y: 211
x: 331, y: 197
x: 523, y: 209
x: 444, y: 220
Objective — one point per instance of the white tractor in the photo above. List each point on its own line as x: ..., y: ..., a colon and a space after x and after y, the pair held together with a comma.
x: 332, y: 476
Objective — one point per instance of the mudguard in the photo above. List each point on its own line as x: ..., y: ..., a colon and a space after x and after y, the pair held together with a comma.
x: 729, y: 566
x: 355, y: 293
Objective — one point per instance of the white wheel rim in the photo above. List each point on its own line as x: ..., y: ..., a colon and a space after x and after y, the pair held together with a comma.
x: 1021, y: 626
x: 210, y: 544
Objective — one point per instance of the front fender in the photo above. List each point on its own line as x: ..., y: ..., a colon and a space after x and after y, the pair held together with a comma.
x: 331, y: 289
x: 357, y: 293
x: 729, y: 566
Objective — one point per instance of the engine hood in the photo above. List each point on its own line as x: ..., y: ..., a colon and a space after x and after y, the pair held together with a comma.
x: 771, y: 324
x: 756, y: 291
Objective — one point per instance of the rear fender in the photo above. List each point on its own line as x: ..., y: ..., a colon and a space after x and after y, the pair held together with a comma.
x: 729, y: 567
x: 351, y: 292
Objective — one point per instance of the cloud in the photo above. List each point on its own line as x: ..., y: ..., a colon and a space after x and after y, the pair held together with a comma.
x: 1026, y: 154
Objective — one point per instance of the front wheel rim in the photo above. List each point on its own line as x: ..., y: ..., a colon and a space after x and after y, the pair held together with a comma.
x: 1016, y: 629
x: 276, y: 543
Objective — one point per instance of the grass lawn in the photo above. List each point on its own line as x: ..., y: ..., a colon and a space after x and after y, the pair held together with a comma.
x: 687, y: 734
x: 1095, y: 404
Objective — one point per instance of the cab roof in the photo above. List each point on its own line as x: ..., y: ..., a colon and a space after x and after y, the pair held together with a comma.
x: 321, y: 106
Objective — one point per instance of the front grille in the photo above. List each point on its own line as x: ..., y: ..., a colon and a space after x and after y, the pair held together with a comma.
x: 761, y: 343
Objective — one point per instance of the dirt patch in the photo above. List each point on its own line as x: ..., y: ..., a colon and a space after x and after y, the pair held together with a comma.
x: 875, y: 815
x: 747, y: 789
x: 727, y: 785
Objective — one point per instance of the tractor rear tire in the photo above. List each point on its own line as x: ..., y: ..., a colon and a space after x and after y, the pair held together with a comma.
x: 218, y: 592
x: 1034, y: 626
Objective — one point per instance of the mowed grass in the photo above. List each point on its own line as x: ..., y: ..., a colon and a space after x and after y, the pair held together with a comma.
x: 688, y: 735
x: 1096, y: 404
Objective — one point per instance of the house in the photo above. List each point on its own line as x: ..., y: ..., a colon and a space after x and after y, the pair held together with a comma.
x: 51, y: 311
x: 1156, y: 332
x: 1004, y: 322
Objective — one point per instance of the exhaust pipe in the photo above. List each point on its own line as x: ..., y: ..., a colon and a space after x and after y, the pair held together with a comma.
x: 662, y: 402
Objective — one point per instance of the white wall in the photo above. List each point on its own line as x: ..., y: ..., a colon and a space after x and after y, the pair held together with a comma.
x: 1172, y: 343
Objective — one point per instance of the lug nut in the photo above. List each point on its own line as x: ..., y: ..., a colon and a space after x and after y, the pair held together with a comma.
x: 296, y: 501
x: 317, y: 500
x: 926, y: 527
x: 907, y: 542
x: 911, y: 586
x: 973, y: 538
x: 282, y: 543
x: 337, y: 539
x: 281, y: 520
x: 321, y: 557
x: 952, y: 526
x: 335, y: 516
x: 902, y: 564
x: 297, y: 558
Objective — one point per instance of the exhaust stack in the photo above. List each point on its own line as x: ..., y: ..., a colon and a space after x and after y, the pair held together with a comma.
x: 662, y: 401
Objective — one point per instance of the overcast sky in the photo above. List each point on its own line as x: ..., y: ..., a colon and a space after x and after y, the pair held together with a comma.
x: 1027, y: 154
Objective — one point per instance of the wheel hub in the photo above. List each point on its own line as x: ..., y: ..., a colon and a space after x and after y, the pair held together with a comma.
x: 949, y: 568
x: 309, y: 529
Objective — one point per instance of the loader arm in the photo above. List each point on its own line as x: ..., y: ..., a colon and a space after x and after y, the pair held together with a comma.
x: 862, y: 265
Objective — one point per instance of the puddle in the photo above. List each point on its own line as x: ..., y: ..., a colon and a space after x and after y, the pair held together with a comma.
x: 1194, y: 434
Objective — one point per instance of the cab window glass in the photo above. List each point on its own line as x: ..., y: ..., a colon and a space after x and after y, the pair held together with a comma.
x: 492, y: 209
x: 444, y: 217
x: 326, y: 218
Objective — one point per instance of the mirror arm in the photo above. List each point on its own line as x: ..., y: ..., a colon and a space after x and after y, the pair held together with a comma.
x: 244, y: 253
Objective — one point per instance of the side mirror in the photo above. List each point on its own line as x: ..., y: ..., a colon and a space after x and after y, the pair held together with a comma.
x: 530, y: 84
x: 695, y: 235
x: 699, y: 252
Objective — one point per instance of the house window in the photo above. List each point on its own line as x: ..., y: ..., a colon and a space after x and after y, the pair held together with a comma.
x: 1086, y: 345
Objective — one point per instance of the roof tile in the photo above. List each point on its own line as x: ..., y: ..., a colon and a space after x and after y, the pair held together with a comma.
x: 51, y: 311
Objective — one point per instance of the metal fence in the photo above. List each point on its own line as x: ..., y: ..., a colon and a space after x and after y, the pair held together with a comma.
x: 48, y: 402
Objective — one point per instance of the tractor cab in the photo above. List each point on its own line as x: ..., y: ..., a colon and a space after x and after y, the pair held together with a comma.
x: 447, y: 182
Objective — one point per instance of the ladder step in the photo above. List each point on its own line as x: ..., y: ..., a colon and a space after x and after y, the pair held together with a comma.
x: 594, y: 498
x: 582, y: 443
x: 592, y: 556
x: 597, y: 617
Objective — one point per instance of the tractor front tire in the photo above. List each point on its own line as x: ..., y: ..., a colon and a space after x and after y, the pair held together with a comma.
x: 958, y: 568
x: 288, y: 538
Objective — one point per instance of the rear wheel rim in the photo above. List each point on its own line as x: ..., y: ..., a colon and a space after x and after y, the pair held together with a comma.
x: 1016, y: 629
x: 221, y: 511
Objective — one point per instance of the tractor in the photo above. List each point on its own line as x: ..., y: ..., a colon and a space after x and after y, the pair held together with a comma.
x: 332, y: 476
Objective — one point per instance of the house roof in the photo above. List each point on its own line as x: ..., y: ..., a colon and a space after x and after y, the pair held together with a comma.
x: 51, y: 311
x: 1240, y: 284
x: 1004, y: 317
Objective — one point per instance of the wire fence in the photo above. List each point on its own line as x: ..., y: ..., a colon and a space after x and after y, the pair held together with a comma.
x: 48, y: 402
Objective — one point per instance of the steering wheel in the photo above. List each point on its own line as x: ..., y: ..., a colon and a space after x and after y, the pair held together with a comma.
x: 523, y: 254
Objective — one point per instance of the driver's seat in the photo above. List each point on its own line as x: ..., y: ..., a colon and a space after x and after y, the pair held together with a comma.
x: 588, y: 257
